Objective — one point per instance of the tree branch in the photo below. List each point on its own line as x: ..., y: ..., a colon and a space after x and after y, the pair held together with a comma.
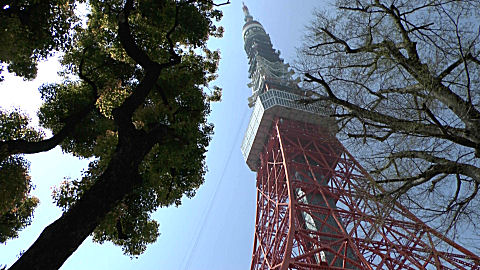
x: 8, y: 148
x: 123, y: 114
x: 434, y: 119
x: 394, y: 13
x: 372, y: 136
x: 457, y: 135
x: 441, y: 165
x: 348, y: 49
x: 127, y: 40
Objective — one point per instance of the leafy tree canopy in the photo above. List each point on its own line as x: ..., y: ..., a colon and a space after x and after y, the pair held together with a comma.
x: 134, y: 100
x: 31, y: 30
x: 16, y: 205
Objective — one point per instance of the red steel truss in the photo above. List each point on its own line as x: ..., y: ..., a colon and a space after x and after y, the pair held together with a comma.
x: 317, y: 209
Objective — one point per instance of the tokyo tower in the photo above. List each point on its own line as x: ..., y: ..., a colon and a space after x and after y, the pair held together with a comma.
x: 317, y: 208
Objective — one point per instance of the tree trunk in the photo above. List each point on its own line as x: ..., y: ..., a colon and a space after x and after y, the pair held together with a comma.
x: 61, y: 238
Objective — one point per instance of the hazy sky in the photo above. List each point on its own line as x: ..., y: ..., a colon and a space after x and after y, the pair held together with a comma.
x: 214, y: 230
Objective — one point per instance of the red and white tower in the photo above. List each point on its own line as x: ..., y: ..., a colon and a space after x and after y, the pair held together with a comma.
x: 317, y: 208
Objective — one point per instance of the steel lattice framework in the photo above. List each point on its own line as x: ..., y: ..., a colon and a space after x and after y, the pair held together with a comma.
x: 317, y: 208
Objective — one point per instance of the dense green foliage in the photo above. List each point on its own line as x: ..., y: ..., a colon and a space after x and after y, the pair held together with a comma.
x: 16, y: 205
x: 168, y: 171
x: 135, y: 74
x: 31, y: 30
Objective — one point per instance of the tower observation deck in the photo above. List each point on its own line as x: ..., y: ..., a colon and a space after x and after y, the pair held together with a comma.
x: 317, y: 208
x: 274, y: 92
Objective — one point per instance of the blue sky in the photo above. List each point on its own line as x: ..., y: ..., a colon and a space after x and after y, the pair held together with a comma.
x: 214, y: 230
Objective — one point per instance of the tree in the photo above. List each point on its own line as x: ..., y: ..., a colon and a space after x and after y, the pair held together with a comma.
x: 403, y: 77
x: 133, y: 100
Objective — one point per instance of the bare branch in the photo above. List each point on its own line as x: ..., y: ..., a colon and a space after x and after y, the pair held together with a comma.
x: 372, y: 136
x: 449, y: 69
x: 348, y: 49
x: 416, y: 28
x: 394, y: 13
x: 449, y: 166
x: 434, y: 119
x: 454, y: 134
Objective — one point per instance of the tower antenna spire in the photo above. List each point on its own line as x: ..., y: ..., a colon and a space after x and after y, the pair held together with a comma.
x: 248, y: 17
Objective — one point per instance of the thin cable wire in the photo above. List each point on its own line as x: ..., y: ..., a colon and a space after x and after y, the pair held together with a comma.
x: 206, y: 212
